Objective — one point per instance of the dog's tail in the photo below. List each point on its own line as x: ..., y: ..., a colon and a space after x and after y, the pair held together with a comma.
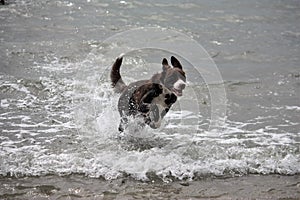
x: 115, y: 75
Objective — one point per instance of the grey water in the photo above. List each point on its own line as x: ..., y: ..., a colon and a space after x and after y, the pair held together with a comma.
x: 58, y: 112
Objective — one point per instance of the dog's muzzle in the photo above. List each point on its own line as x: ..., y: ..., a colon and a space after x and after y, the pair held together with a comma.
x: 178, y: 87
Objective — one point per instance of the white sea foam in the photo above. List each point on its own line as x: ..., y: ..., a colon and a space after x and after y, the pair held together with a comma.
x: 76, y: 131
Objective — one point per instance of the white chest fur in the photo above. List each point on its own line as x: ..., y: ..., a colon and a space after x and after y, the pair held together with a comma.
x: 159, y: 108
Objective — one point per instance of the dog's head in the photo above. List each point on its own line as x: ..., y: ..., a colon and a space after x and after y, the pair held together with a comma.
x: 173, y: 78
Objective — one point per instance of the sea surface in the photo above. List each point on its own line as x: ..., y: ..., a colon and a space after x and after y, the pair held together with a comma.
x: 58, y: 112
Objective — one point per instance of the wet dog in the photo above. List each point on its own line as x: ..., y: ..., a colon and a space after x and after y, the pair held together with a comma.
x: 150, y: 99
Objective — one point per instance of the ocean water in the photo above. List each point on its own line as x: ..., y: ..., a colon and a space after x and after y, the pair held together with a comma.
x: 58, y: 111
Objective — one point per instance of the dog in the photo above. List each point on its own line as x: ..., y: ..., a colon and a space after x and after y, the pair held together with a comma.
x: 149, y: 100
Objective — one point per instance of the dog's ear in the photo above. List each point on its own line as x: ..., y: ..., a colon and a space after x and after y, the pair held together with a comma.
x: 165, y: 64
x: 175, y: 62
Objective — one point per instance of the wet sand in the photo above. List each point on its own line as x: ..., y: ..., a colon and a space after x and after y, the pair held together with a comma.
x: 80, y: 187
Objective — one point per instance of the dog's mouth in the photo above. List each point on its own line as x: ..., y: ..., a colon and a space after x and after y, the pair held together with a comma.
x: 177, y: 92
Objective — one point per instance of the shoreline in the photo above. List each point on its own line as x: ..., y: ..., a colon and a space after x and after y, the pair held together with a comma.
x: 81, y: 187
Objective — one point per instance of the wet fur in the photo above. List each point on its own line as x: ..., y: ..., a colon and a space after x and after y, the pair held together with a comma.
x: 149, y: 99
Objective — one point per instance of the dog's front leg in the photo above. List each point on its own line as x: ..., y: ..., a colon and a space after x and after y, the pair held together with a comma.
x: 145, y: 103
x: 154, y: 91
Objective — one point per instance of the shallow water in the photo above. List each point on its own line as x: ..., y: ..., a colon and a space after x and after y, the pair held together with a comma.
x: 58, y: 112
x: 80, y: 187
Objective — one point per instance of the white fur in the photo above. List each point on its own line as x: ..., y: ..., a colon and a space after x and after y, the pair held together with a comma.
x: 160, y: 103
x: 178, y: 83
x: 158, y: 123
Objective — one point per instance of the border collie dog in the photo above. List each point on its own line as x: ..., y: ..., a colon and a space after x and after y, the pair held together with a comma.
x: 149, y: 100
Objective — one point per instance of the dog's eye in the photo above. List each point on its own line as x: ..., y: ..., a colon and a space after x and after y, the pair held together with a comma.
x: 173, y: 79
x: 182, y: 77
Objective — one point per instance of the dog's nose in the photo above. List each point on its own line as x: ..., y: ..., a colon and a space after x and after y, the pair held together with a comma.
x: 181, y: 86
